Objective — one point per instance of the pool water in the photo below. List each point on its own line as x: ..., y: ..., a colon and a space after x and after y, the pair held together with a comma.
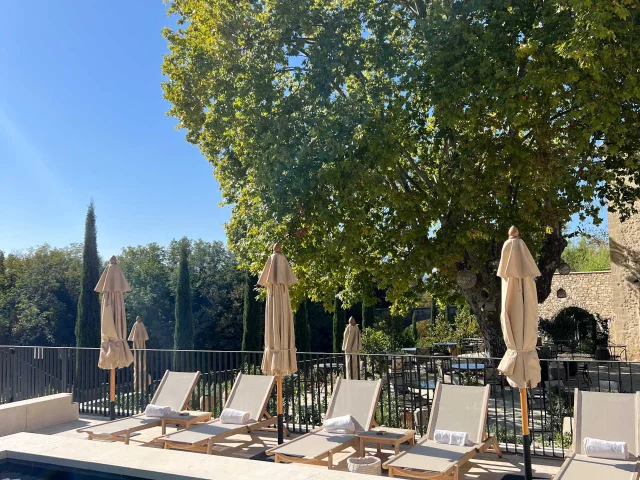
x: 17, y: 469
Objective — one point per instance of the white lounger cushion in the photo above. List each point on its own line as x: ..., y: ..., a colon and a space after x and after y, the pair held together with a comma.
x: 594, y: 447
x: 452, y: 438
x: 157, y: 411
x: 343, y: 424
x: 235, y: 417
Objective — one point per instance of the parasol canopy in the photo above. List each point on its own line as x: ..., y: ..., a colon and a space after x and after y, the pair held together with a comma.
x: 519, y: 317
x: 279, y: 339
x: 114, y: 350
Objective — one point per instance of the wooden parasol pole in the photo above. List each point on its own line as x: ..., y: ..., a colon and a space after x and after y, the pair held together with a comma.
x: 112, y: 394
x: 526, y: 438
x: 280, y: 424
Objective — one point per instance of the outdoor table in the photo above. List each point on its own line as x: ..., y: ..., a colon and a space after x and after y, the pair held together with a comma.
x: 386, y: 436
x: 185, y: 421
x: 467, y: 366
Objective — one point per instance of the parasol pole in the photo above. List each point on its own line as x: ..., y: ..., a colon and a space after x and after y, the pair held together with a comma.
x: 112, y: 394
x: 526, y: 438
x: 280, y: 424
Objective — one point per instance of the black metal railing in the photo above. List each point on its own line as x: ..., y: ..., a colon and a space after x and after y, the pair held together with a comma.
x: 408, y: 383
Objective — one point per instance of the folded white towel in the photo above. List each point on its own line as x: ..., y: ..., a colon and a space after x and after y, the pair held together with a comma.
x: 594, y: 447
x: 237, y: 417
x: 157, y: 411
x: 452, y: 438
x: 344, y: 424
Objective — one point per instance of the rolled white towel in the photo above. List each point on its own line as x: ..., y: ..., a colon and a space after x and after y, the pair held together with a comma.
x: 452, y: 438
x: 157, y: 411
x: 237, y: 417
x: 594, y: 447
x: 344, y: 424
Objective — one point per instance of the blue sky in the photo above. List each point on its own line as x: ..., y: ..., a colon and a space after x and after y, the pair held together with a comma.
x: 82, y: 116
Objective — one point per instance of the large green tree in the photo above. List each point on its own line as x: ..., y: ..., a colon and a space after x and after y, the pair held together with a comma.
x: 88, y: 317
x: 339, y: 324
x: 147, y: 269
x: 183, y: 333
x: 397, y: 141
x: 251, y: 319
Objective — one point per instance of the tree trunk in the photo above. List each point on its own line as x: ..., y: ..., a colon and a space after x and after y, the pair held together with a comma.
x: 484, y: 303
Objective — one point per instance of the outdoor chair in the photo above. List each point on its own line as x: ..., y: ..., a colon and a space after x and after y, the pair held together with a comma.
x: 455, y: 408
x: 250, y: 393
x: 357, y: 398
x: 174, y: 391
x: 605, y: 416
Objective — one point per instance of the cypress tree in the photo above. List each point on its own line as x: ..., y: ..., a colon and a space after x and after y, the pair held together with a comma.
x: 414, y: 324
x: 368, y: 315
x: 88, y: 314
x: 251, y: 321
x: 434, y: 310
x: 301, y: 326
x: 339, y: 323
x: 183, y: 334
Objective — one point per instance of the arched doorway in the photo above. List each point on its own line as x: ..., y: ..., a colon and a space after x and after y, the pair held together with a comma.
x: 577, y: 330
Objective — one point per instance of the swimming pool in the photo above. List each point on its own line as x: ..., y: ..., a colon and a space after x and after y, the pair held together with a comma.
x: 23, y: 470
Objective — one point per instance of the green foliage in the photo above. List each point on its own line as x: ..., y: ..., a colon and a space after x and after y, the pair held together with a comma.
x: 414, y: 325
x: 368, y: 315
x: 183, y: 334
x: 251, y: 318
x: 87, y: 326
x: 588, y: 254
x: 152, y: 297
x: 39, y: 296
x: 464, y: 325
x: 381, y: 140
x: 321, y: 327
x: 387, y: 335
x: 339, y: 324
x: 375, y: 341
x: 301, y: 327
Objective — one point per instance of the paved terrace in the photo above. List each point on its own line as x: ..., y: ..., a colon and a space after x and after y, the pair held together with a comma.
x: 483, y: 467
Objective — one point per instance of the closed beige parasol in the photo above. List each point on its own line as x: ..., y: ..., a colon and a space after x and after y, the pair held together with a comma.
x: 519, y: 320
x: 114, y: 350
x: 139, y: 336
x: 279, y: 338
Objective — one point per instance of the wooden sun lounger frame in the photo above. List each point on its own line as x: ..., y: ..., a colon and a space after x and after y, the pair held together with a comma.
x: 328, y: 455
x: 489, y: 444
x: 125, y: 434
x: 206, y: 445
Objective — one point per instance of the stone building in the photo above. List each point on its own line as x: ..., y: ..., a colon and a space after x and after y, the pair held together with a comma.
x: 615, y: 294
x: 624, y: 241
x: 590, y: 291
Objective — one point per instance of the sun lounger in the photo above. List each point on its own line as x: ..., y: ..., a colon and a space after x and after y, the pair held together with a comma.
x: 605, y: 416
x: 174, y: 391
x: 250, y: 393
x: 455, y: 408
x: 357, y: 398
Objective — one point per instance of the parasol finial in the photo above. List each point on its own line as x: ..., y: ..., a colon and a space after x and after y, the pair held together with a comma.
x: 513, y: 232
x: 277, y: 248
x: 113, y: 260
x: 138, y: 318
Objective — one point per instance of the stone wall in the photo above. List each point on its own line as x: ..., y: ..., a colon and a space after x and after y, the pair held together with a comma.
x: 624, y: 240
x: 590, y: 291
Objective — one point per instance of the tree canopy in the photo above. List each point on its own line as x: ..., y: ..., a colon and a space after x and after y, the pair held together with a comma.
x: 397, y: 141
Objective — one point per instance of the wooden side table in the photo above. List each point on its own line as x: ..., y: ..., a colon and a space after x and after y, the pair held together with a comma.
x: 386, y: 436
x: 185, y: 421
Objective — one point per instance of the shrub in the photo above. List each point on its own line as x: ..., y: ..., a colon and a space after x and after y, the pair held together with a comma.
x: 464, y: 325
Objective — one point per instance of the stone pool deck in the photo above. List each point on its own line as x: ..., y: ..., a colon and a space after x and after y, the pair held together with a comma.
x: 232, y: 459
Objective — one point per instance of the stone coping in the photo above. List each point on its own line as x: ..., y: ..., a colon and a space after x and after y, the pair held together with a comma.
x: 151, y: 463
x: 36, y: 400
